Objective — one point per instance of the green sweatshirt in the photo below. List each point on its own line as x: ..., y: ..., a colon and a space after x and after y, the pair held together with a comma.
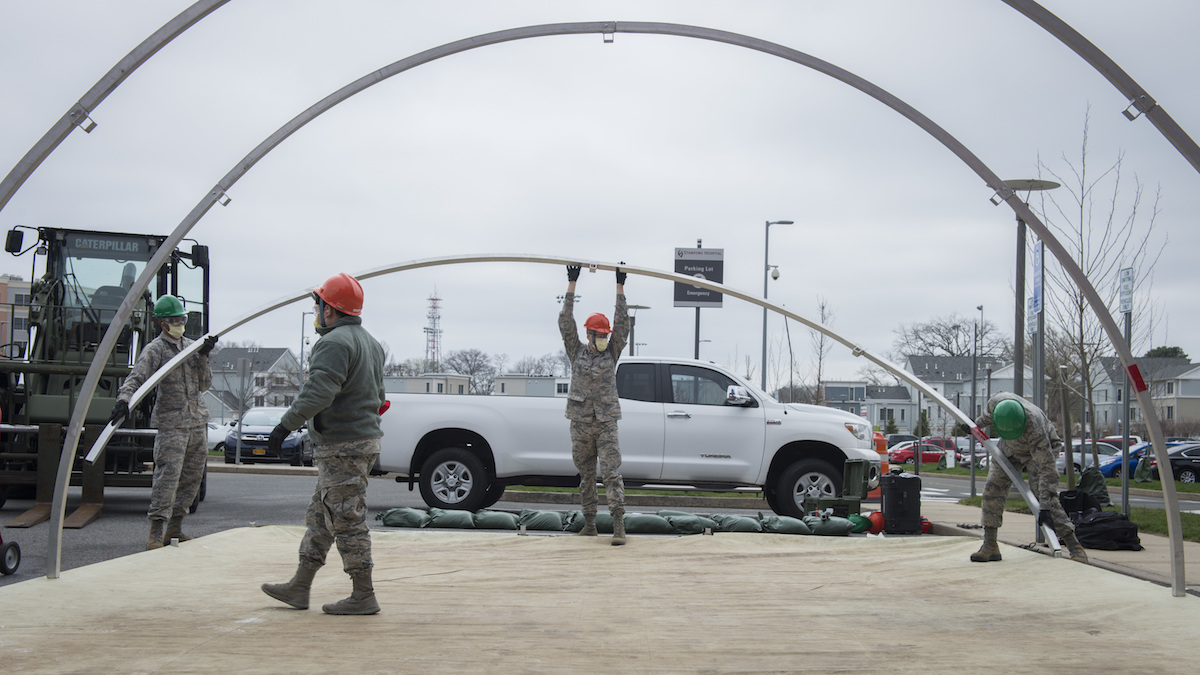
x: 344, y: 389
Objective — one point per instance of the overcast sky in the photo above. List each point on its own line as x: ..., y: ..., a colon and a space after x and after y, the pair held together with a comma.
x: 567, y: 146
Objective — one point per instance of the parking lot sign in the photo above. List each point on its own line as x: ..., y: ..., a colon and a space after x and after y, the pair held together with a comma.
x: 702, y: 263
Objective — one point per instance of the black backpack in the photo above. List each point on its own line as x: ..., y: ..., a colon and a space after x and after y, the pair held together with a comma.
x: 1078, y: 504
x: 1108, y: 530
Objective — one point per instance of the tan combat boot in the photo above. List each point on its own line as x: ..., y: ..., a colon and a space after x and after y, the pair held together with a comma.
x: 294, y: 592
x: 1074, y: 548
x: 618, y: 538
x: 990, y: 551
x: 155, y: 539
x: 361, y: 600
x: 589, y: 527
x: 175, y: 530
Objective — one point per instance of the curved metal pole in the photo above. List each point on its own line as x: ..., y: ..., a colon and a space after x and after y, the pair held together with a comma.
x: 77, y: 116
x: 1138, y: 98
x: 989, y: 177
x: 177, y: 360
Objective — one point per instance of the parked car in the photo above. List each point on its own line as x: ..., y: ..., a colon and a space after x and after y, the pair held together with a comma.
x: 1082, y: 456
x: 216, y: 435
x: 943, y: 443
x: 893, y: 439
x: 1119, y: 441
x: 256, y: 426
x: 1185, y: 463
x: 903, y: 454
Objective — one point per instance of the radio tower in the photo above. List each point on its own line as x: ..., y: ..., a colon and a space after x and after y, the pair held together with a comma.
x: 433, y: 334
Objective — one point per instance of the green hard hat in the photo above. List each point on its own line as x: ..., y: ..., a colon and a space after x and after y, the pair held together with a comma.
x: 168, y: 305
x: 1008, y: 419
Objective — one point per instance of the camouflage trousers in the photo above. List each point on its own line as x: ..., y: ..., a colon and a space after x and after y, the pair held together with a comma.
x: 338, y: 510
x: 179, y: 458
x: 595, y: 443
x: 1043, y: 482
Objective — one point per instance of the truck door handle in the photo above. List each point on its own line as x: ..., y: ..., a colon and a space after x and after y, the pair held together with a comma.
x: 679, y: 413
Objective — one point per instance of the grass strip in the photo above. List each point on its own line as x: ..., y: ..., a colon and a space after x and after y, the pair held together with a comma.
x: 1152, y: 521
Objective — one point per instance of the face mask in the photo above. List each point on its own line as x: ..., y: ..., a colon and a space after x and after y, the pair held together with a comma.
x: 601, y: 344
x: 175, y: 331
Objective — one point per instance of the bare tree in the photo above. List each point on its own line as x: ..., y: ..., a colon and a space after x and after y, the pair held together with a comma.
x: 951, y: 335
x: 479, y: 368
x: 822, y: 344
x: 537, y: 366
x: 1103, y: 233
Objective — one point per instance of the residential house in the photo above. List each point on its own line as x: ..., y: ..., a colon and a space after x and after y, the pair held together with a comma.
x: 950, y: 377
x: 246, y: 377
x: 1174, y: 385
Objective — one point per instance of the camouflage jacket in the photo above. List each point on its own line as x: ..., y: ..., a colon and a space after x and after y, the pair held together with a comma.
x: 593, y: 393
x: 1040, y: 434
x: 180, y: 398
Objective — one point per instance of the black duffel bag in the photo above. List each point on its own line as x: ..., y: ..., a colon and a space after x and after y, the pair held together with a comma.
x: 1108, y: 530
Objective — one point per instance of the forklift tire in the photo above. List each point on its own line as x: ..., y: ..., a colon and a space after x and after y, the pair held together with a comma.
x: 10, y: 558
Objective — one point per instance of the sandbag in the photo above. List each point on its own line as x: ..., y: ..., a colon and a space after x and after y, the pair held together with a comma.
x: 604, y: 522
x: 783, y: 525
x: 541, y: 520
x: 404, y: 517
x: 1108, y: 531
x: 495, y: 520
x: 1092, y: 482
x: 687, y: 523
x: 861, y: 523
x: 830, y: 526
x: 451, y: 518
x: 728, y: 523
x: 647, y: 523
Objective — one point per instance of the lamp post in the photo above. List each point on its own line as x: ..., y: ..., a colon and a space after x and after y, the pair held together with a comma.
x: 302, y: 327
x: 975, y: 349
x: 766, y: 270
x: 633, y: 324
x: 1029, y: 185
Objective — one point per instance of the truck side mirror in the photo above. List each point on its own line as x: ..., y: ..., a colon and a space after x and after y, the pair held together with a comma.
x: 12, y: 243
x: 736, y: 395
x: 199, y: 255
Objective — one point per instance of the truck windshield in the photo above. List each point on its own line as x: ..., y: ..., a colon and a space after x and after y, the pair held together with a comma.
x: 99, y: 269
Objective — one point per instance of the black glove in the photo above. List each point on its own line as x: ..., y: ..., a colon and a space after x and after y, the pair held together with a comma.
x: 621, y: 275
x: 275, y: 443
x: 119, y: 412
x: 572, y: 272
x: 209, y: 343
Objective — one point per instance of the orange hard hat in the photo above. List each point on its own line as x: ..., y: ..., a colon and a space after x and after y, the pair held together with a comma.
x: 343, y: 293
x: 597, y: 322
x: 877, y: 522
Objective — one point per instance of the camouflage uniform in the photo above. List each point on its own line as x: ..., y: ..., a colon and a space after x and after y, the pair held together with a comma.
x: 1034, y: 453
x: 338, y: 510
x: 593, y: 407
x: 181, y: 446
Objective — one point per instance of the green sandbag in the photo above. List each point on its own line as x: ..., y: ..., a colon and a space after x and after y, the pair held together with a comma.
x: 495, y: 520
x: 647, y: 523
x: 783, y: 525
x: 686, y: 523
x: 451, y: 518
x: 573, y: 521
x: 832, y: 526
x: 861, y: 524
x: 1092, y: 482
x: 603, y: 522
x: 665, y: 513
x: 404, y: 517
x: 728, y: 523
x: 541, y: 520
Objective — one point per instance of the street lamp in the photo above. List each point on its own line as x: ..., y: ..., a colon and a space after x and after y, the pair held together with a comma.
x: 632, y: 325
x: 767, y: 269
x: 1029, y: 185
x: 303, y: 324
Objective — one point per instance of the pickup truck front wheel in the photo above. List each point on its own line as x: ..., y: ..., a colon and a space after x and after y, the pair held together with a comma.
x: 797, y: 479
x: 453, y: 478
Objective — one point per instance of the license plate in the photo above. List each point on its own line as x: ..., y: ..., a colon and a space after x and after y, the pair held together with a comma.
x: 260, y: 451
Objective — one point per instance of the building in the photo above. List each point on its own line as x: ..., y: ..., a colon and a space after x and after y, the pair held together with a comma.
x: 247, y: 377
x: 14, y: 316
x: 428, y: 383
x: 517, y: 384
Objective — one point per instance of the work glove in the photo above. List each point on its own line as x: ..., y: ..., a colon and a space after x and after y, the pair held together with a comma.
x: 572, y: 272
x: 621, y: 275
x: 279, y: 433
x: 209, y: 343
x: 120, y: 411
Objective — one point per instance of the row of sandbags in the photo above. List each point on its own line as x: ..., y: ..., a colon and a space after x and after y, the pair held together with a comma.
x: 662, y: 522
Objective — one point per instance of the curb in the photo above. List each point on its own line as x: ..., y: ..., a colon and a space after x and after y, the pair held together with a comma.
x: 640, y: 500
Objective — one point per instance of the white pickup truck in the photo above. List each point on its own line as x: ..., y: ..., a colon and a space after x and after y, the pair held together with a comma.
x: 684, y: 423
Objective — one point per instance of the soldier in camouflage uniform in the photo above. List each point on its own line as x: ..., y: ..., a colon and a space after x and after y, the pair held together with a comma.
x: 344, y: 397
x: 181, y: 445
x: 1028, y: 439
x: 592, y: 404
